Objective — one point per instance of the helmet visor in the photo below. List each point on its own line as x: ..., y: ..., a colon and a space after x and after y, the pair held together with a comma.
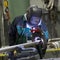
x: 34, y: 20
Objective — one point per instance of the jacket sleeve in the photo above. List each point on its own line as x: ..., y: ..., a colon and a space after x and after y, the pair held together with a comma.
x: 12, y: 33
x: 45, y: 30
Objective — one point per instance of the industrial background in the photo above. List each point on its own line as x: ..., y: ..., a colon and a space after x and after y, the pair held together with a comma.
x: 18, y: 7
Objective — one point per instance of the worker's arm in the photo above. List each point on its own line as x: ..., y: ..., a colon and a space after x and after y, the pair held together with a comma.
x: 45, y: 30
x: 12, y: 33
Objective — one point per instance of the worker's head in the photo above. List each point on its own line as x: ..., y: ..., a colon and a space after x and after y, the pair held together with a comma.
x: 34, y: 14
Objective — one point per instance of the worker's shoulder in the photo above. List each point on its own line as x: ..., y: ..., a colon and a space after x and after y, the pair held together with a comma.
x: 18, y: 19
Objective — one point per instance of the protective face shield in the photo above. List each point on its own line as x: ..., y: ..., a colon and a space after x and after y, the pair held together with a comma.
x: 34, y: 20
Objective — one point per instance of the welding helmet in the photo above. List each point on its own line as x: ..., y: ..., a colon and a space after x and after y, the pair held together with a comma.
x: 33, y: 11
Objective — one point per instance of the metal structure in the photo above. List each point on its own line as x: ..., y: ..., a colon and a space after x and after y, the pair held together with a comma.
x: 2, y: 24
x: 8, y: 48
x: 54, y: 39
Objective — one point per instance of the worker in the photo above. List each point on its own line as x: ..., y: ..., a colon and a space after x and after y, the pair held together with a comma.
x: 20, y: 29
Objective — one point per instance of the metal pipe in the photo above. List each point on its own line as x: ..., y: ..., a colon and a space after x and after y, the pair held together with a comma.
x: 9, y: 48
x: 54, y: 39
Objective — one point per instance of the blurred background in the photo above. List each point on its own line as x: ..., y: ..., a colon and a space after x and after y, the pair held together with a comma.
x: 9, y: 9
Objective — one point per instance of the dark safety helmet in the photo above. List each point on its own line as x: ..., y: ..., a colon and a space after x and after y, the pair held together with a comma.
x: 34, y: 11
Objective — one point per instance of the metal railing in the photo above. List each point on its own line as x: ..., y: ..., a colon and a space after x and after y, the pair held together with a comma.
x: 8, y: 48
